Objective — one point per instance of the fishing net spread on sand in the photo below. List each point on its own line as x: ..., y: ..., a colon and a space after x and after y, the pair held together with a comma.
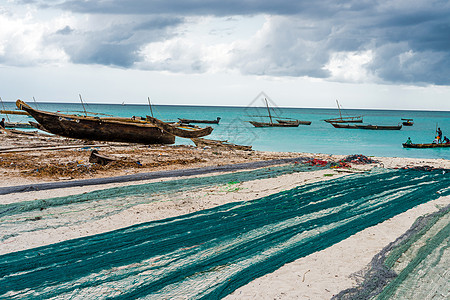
x: 415, y: 266
x: 210, y: 253
x: 17, y: 218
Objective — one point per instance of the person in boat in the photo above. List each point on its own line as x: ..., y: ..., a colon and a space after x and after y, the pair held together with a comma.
x: 439, y: 135
x: 408, y: 141
x: 436, y: 140
x: 2, y: 123
x: 446, y: 140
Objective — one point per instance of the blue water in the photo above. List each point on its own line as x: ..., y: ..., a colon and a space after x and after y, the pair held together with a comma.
x: 319, y: 137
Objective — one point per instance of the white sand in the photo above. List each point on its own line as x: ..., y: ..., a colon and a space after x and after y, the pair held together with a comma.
x: 317, y: 276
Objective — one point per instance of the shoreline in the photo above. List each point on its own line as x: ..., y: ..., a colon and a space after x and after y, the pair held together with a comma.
x: 316, y: 276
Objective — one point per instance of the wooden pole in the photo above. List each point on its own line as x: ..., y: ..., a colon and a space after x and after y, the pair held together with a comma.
x: 85, y: 113
x: 150, y: 105
x: 270, y: 116
x: 339, y: 109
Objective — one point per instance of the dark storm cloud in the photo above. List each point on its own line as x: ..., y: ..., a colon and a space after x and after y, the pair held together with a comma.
x: 409, y: 40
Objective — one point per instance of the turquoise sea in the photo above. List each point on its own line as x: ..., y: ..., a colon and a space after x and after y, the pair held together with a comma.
x: 319, y: 137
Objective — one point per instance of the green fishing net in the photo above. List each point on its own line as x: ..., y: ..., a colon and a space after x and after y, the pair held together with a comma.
x: 210, y: 253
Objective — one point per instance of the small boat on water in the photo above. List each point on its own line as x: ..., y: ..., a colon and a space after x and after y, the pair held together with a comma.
x: 280, y: 122
x: 368, y: 126
x: 115, y: 129
x: 293, y: 122
x: 407, y: 122
x: 18, y: 125
x: 431, y: 145
x: 264, y: 124
x: 341, y: 119
x: 188, y: 121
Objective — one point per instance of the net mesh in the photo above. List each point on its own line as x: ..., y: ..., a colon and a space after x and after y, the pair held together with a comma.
x: 415, y: 266
x: 210, y: 253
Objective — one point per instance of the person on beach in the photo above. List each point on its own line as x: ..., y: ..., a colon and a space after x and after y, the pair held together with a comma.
x: 2, y: 123
x: 408, y: 141
x: 439, y: 135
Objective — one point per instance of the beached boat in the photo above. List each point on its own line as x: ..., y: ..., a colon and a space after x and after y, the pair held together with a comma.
x: 341, y: 119
x: 280, y: 122
x: 200, y: 142
x: 100, y: 129
x: 181, y: 131
x: 368, y: 126
x: 431, y: 145
x: 407, y: 122
x: 187, y: 121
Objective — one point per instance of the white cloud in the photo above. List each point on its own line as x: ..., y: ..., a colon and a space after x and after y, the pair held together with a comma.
x: 24, y: 43
x: 350, y: 66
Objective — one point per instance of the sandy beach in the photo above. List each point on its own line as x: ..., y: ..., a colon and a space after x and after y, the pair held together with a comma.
x: 30, y: 160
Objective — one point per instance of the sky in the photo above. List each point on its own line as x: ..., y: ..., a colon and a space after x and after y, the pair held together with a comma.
x: 375, y: 54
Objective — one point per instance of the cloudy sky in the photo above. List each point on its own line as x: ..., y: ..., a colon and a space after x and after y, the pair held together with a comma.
x: 366, y: 53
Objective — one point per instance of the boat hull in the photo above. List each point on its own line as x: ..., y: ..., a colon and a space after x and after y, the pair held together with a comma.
x: 343, y: 120
x: 262, y: 124
x: 188, y: 121
x: 369, y: 127
x: 421, y: 146
x: 294, y: 122
x: 89, y: 128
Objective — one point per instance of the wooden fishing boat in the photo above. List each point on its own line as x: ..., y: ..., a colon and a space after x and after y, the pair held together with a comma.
x: 187, y: 121
x: 370, y: 127
x: 407, y: 122
x: 100, y: 129
x: 18, y: 125
x: 431, y: 145
x: 379, y: 127
x: 176, y: 129
x: 341, y: 119
x: 280, y: 122
x: 293, y: 122
x: 263, y: 124
x: 200, y: 142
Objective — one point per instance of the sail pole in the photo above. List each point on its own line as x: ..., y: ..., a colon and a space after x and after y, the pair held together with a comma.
x: 339, y: 109
x: 270, y: 116
x: 150, y: 105
x: 85, y: 113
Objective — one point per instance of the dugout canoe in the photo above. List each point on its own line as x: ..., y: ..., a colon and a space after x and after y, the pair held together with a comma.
x: 178, y: 130
x: 99, y: 129
x: 370, y: 127
x: 188, y: 121
x: 445, y: 145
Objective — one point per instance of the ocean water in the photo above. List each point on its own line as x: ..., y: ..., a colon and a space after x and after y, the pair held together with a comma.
x: 319, y: 137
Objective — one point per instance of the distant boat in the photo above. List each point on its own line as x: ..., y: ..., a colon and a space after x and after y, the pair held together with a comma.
x: 280, y: 122
x: 293, y: 122
x: 407, y: 122
x: 369, y: 126
x: 445, y: 145
x: 187, y: 121
x: 357, y: 119
x: 18, y: 125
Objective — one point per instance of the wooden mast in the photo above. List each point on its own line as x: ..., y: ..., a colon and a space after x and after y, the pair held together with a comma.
x: 85, y: 113
x: 339, y: 109
x: 149, y: 104
x: 270, y: 116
